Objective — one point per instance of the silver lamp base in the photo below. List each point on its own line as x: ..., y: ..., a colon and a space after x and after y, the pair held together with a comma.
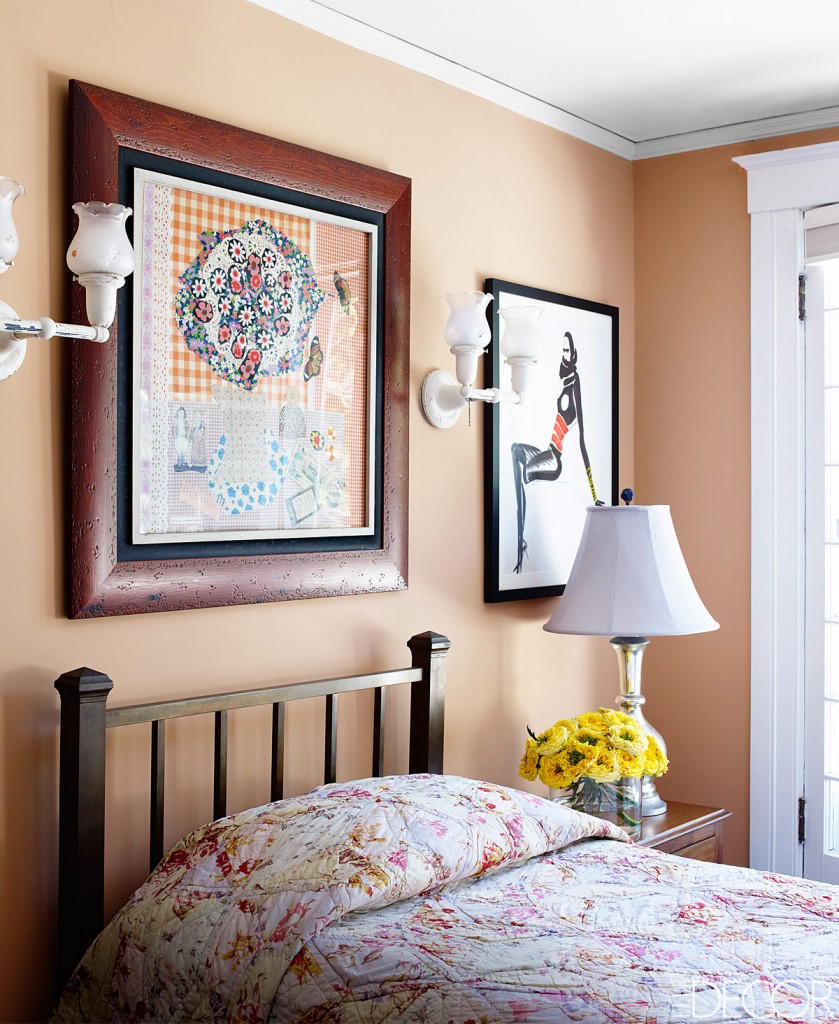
x: 630, y: 652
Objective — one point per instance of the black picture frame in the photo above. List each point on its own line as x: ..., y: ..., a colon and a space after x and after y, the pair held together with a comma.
x: 536, y: 479
x: 112, y: 133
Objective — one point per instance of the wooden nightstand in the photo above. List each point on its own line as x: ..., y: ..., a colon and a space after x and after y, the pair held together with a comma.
x: 687, y: 831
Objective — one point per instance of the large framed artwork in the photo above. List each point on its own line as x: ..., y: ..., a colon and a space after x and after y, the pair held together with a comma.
x: 554, y: 454
x: 243, y: 436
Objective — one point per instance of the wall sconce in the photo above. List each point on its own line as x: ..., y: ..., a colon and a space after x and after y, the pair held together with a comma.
x: 100, y: 256
x: 467, y: 334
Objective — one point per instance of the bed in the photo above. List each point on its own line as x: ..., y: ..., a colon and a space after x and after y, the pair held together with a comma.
x: 416, y: 898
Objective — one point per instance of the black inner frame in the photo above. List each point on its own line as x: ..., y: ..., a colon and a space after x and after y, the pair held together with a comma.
x: 129, y: 159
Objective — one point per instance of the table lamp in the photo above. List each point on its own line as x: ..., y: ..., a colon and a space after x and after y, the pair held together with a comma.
x: 629, y: 581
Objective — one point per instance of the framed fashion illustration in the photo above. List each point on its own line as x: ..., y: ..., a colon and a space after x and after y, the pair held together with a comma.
x: 550, y: 456
x: 243, y: 436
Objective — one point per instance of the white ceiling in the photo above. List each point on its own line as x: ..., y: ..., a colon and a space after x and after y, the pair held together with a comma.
x: 637, y: 79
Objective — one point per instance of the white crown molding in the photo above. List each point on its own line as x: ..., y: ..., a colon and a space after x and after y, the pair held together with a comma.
x: 320, y: 18
x: 363, y: 37
x: 745, y: 131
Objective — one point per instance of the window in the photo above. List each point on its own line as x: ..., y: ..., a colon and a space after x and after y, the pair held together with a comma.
x: 821, y: 655
x: 781, y: 186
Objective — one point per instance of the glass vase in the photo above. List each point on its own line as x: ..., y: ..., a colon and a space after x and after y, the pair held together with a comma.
x: 618, y: 802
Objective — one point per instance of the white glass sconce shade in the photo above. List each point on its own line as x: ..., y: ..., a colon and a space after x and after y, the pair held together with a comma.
x: 100, y: 245
x: 467, y: 331
x: 101, y: 257
x: 521, y: 336
x: 521, y: 343
x: 467, y: 323
x: 9, y: 243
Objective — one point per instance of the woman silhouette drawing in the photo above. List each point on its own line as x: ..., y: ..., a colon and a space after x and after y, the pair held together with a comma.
x: 531, y: 464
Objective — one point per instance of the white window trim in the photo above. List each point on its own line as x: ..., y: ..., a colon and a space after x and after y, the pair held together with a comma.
x: 781, y: 185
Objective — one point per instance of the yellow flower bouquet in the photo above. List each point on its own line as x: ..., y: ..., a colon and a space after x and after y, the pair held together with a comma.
x: 600, y: 758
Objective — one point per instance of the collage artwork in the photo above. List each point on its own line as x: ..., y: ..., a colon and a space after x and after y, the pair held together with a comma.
x: 255, y: 334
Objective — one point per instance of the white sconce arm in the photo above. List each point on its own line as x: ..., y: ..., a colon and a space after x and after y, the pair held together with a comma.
x: 491, y: 395
x: 46, y: 328
x: 100, y: 256
x: 443, y: 397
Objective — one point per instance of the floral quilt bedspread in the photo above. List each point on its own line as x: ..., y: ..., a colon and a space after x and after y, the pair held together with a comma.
x: 440, y: 900
x: 213, y: 931
x: 596, y: 933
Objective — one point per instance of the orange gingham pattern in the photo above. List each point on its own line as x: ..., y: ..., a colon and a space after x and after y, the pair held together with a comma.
x: 192, y: 214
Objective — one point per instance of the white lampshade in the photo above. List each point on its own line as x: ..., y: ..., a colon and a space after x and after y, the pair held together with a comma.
x: 630, y: 579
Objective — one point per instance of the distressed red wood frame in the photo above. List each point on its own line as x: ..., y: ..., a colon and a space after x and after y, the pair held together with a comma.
x: 101, y: 584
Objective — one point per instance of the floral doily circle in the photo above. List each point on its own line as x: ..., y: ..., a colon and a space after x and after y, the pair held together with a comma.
x: 246, y: 303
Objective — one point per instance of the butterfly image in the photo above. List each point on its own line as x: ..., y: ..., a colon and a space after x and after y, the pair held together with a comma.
x: 315, y: 360
x: 343, y: 290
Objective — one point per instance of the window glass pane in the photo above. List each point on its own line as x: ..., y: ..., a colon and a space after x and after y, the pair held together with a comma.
x: 831, y: 503
x: 831, y: 417
x: 831, y: 818
x: 831, y: 737
x: 831, y: 348
x: 831, y: 582
x: 831, y: 660
x: 830, y: 268
x: 831, y: 535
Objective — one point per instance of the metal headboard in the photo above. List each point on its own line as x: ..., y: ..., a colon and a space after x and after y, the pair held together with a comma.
x: 85, y: 718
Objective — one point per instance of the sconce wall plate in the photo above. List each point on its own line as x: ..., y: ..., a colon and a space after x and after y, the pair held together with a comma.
x: 12, y: 349
x: 441, y: 400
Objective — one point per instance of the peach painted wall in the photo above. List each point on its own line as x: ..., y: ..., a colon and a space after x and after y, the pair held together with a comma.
x: 692, y: 451
x: 493, y: 195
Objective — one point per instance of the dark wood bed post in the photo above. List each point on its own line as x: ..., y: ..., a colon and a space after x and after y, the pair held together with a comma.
x: 81, y: 816
x: 428, y: 652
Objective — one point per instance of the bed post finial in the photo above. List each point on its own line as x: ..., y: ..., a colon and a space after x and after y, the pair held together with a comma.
x: 428, y: 652
x: 81, y: 814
